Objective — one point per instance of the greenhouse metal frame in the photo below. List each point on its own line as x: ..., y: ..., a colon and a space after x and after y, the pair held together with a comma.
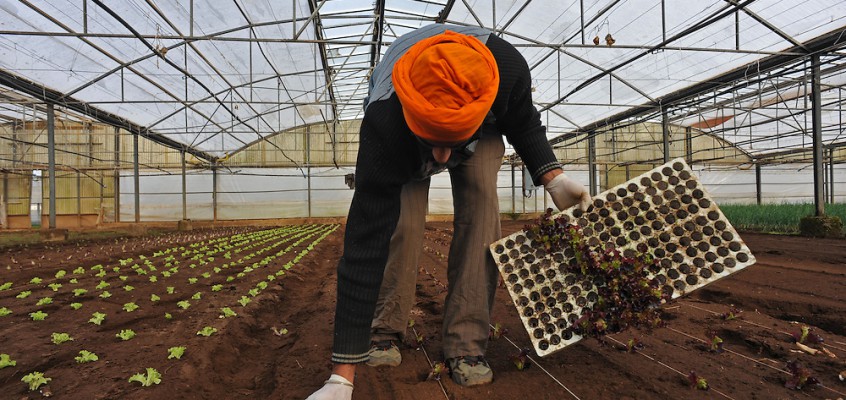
x: 204, y: 95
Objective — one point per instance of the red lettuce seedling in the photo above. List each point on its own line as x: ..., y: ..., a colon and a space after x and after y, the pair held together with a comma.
x: 800, y: 376
x: 697, y: 382
x: 497, y: 331
x: 716, y: 341
x: 633, y: 345
x: 415, y: 341
x: 626, y: 296
x: 435, y: 373
x: 521, y: 360
x: 807, y: 336
x: 731, y: 314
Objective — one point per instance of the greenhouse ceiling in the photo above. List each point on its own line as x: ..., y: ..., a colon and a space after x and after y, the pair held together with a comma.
x: 213, y: 77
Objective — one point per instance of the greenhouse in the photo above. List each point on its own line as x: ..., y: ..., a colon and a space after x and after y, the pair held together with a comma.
x: 141, y: 137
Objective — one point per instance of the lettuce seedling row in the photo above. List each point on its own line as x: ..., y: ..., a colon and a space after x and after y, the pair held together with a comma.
x: 188, y: 271
x: 666, y: 211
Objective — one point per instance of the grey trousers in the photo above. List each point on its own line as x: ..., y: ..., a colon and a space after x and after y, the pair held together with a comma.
x: 471, y: 272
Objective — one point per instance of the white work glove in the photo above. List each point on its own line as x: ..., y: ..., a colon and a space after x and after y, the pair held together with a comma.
x: 566, y: 193
x: 336, y: 388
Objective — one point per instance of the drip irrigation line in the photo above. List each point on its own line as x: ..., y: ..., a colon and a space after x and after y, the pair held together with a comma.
x: 429, y: 360
x: 669, y: 367
x: 752, y: 359
x: 763, y: 326
x: 541, y: 367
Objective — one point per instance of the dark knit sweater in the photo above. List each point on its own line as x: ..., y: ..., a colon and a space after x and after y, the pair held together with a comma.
x: 388, y: 157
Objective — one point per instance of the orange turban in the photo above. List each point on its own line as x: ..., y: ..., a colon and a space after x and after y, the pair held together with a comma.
x: 446, y: 84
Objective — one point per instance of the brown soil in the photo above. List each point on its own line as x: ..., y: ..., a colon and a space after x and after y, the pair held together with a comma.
x: 796, y: 281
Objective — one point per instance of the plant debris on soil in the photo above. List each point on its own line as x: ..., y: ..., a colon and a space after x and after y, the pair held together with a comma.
x: 759, y: 314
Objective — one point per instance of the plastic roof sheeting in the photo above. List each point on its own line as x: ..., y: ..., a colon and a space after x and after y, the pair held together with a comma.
x: 219, y: 75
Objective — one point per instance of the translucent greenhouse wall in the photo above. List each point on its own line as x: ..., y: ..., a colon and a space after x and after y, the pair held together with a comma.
x: 286, y: 193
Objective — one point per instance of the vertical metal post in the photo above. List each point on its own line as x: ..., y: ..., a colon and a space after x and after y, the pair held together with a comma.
x: 592, y: 163
x: 663, y: 22
x: 214, y: 191
x: 831, y: 165
x: 582, y: 18
x: 78, y: 199
x: 758, y: 183
x: 688, y: 145
x: 308, y: 164
x: 737, y: 30
x: 816, y: 123
x: 51, y: 162
x: 513, y: 189
x: 5, y: 202
x: 117, y: 174
x: 191, y: 18
x: 184, y: 189
x: 665, y: 130
x: 137, y: 177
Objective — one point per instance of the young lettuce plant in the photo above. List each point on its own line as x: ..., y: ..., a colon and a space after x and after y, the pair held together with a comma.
x: 36, y: 280
x: 154, y: 298
x: 521, y: 359
x: 437, y: 369
x: 206, y: 331
x: 175, y: 352
x: 184, y: 304
x: 44, y: 301
x: 227, y: 312
x: 497, y: 331
x: 130, y: 307
x: 38, y: 315
x: 151, y: 378
x: 696, y: 381
x: 125, y: 334
x: 800, y: 376
x: 6, y: 361
x: 243, y: 301
x: 4, y: 311
x: 6, y: 286
x: 55, y: 286
x: 85, y: 356
x: 79, y: 292
x: 24, y: 294
x: 102, y: 285
x: 629, y: 298
x: 716, y: 341
x: 60, y: 337
x: 105, y: 294
x: 76, y: 306
x: 97, y: 318
x: 35, y: 380
x: 807, y: 336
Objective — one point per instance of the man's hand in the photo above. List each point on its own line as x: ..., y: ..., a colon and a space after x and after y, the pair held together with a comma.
x: 336, y: 388
x: 566, y: 193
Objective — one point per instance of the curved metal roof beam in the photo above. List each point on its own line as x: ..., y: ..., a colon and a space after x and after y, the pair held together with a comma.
x: 63, y: 96
x: 169, y: 62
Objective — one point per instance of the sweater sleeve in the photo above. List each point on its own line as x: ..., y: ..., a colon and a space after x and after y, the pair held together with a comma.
x: 373, y: 216
x: 516, y: 115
